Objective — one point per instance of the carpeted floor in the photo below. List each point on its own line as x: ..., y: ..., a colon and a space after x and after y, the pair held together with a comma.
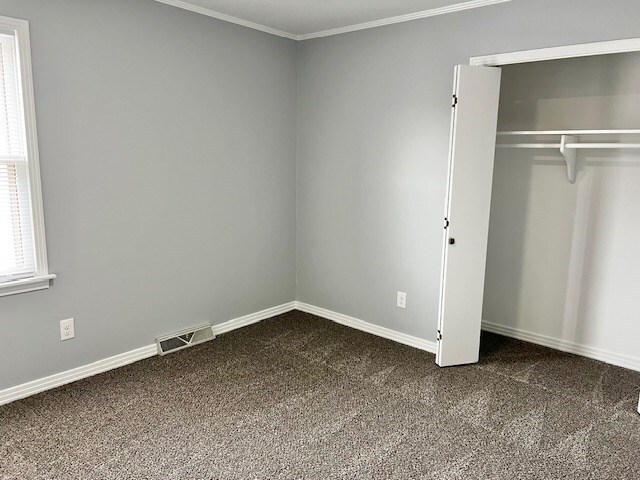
x: 302, y: 397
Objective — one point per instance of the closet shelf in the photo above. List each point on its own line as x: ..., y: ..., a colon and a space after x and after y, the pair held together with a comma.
x: 570, y: 143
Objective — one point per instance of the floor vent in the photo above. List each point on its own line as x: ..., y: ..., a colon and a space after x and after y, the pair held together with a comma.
x: 184, y: 339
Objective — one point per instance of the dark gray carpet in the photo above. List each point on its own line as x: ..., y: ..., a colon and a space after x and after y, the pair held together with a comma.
x: 302, y: 397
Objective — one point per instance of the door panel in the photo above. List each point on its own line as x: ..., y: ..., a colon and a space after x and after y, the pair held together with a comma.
x: 471, y: 156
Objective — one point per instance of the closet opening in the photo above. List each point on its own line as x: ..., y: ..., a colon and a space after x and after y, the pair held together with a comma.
x: 561, y: 269
x: 541, y: 219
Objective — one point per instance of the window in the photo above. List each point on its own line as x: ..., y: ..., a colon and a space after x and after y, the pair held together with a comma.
x: 23, y: 262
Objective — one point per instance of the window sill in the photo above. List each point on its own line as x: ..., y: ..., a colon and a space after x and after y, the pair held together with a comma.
x: 25, y: 285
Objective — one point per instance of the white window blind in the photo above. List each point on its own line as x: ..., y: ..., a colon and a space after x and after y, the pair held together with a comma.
x: 17, y: 246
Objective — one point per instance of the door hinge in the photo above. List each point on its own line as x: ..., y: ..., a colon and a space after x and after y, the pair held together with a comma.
x: 439, y: 336
x: 446, y: 223
x: 455, y: 101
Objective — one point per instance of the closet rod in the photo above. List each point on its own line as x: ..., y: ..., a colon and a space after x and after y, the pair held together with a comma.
x: 603, y: 145
x: 569, y: 147
x: 568, y: 132
x: 555, y: 146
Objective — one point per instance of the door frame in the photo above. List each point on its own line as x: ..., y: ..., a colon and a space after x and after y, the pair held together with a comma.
x: 557, y: 53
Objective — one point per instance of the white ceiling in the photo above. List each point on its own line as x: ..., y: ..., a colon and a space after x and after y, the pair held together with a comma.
x: 301, y: 19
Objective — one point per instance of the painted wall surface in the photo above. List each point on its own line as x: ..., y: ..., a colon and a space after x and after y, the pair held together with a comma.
x: 373, y: 128
x: 168, y: 155
x: 562, y: 259
x: 168, y: 149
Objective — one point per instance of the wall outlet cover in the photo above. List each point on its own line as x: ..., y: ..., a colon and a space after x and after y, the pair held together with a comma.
x: 401, y: 300
x: 67, y: 329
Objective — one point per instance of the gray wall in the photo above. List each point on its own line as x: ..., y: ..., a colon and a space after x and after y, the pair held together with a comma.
x: 168, y: 150
x: 373, y: 128
x: 160, y: 128
x: 562, y: 258
x: 601, y: 91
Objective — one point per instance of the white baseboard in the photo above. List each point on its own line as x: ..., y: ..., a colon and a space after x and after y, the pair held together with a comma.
x: 58, y: 379
x: 368, y: 327
x: 253, y: 318
x: 47, y: 383
x: 632, y: 363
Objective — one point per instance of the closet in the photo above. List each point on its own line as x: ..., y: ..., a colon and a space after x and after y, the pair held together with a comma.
x: 561, y: 265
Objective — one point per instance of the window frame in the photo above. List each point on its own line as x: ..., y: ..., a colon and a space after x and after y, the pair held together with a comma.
x: 42, y: 277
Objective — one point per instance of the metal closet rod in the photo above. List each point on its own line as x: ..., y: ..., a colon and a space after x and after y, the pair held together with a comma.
x: 569, y: 143
x: 555, y: 146
x: 568, y: 132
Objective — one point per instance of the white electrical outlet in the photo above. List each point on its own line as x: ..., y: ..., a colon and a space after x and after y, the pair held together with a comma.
x: 67, y: 329
x: 402, y: 300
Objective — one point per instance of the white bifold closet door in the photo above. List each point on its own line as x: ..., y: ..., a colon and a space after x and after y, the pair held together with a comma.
x: 466, y: 224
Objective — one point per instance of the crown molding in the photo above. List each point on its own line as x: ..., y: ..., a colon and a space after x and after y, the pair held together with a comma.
x: 334, y: 31
x: 403, y: 18
x: 228, y: 18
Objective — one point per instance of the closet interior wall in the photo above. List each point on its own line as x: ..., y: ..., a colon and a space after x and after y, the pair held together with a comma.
x: 562, y: 259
